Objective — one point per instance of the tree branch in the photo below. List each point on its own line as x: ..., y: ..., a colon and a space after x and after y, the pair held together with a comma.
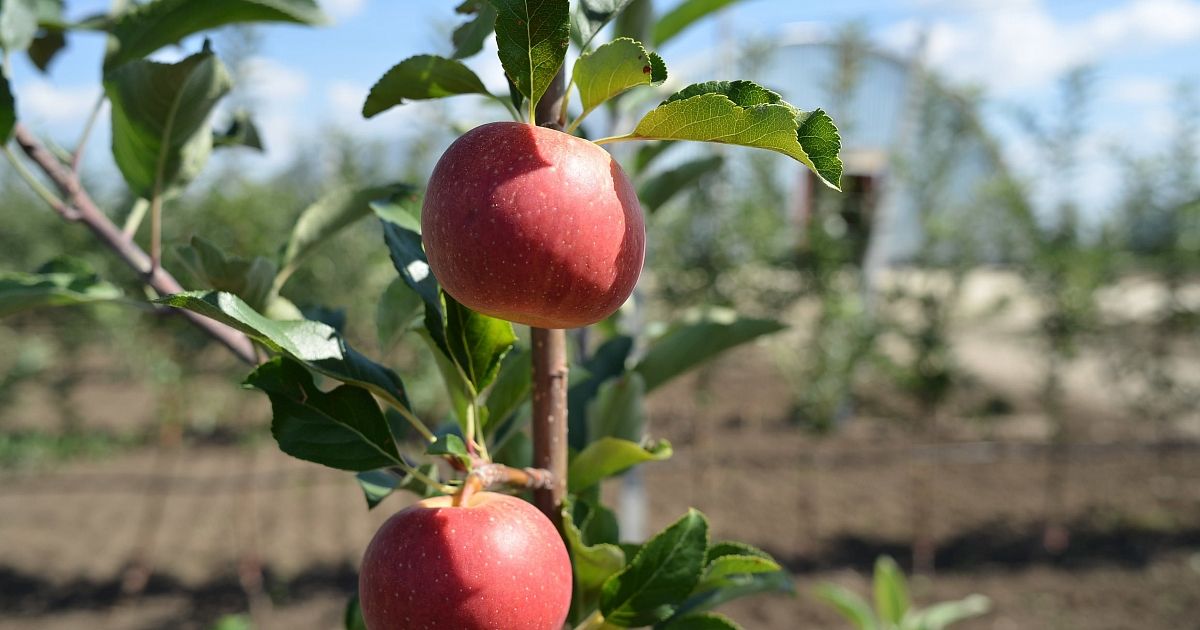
x: 78, y: 206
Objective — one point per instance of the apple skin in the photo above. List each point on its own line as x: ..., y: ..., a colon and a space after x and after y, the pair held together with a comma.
x: 495, y: 564
x: 534, y: 226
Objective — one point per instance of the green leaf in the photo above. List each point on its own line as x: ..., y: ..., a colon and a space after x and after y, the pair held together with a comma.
x: 606, y: 457
x: 700, y: 337
x: 648, y: 153
x: 822, y: 142
x: 8, y: 110
x: 703, y: 621
x: 591, y: 565
x: 241, y: 132
x: 660, y: 577
x: 606, y: 362
x: 408, y: 257
x: 352, y: 619
x: 891, y: 591
x: 342, y: 429
x: 477, y: 343
x: 661, y: 187
x: 733, y: 548
x: 591, y: 16
x: 45, y: 48
x: 613, y: 68
x: 618, y: 411
x: 510, y: 389
x: 314, y: 343
x: 854, y: 608
x: 684, y: 15
x: 398, y: 307
x: 450, y: 445
x: 725, y: 569
x: 939, y: 616
x: 161, y: 135
x: 211, y: 269
x: 64, y: 282
x: 745, y: 586
x: 532, y: 40
x: 329, y: 215
x: 18, y: 24
x: 468, y: 39
x: 743, y: 113
x: 377, y: 485
x: 148, y: 27
x: 420, y: 78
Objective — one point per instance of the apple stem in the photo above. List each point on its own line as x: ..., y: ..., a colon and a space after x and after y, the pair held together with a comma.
x: 489, y: 476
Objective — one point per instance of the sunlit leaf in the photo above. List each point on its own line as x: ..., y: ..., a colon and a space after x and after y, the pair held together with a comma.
x: 420, y: 78
x: 532, y: 39
x: 64, y: 282
x: 613, y: 68
x: 660, y: 577
x: 606, y: 457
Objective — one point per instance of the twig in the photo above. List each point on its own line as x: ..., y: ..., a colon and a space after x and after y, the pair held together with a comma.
x: 77, y: 205
x: 489, y: 476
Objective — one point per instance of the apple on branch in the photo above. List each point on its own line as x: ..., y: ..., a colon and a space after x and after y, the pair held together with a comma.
x: 495, y: 562
x: 534, y: 226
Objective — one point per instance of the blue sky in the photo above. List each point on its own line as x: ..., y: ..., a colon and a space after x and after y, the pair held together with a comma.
x: 306, y: 80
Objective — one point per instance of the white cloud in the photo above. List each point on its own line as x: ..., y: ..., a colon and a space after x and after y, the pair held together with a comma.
x: 343, y: 9
x: 1018, y: 45
x: 1141, y: 90
x: 46, y: 103
x: 274, y: 84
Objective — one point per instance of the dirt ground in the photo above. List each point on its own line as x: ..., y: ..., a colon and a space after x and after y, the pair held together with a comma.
x: 200, y: 515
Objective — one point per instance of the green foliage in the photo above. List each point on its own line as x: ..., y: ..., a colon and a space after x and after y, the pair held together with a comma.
x: 160, y: 127
x: 342, y: 429
x: 315, y: 344
x: 591, y: 16
x: 18, y: 24
x: 158, y: 23
x: 468, y: 38
x: 684, y: 15
x: 661, y: 575
x: 613, y: 68
x: 696, y: 339
x: 618, y: 410
x: 419, y: 78
x: 532, y: 42
x: 329, y: 215
x: 210, y: 268
x: 8, y: 110
x: 607, y: 456
x: 893, y: 607
x: 656, y: 190
x: 62, y: 282
x: 746, y: 114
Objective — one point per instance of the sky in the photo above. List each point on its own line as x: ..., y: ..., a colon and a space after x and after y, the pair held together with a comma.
x: 304, y: 81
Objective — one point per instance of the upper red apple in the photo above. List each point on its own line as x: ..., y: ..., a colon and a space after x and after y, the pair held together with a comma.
x: 496, y: 562
x: 534, y: 226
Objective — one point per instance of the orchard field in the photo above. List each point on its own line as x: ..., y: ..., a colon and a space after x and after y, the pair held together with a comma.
x: 772, y: 316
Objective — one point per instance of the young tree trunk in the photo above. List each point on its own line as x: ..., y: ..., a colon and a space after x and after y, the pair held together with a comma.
x: 550, y: 367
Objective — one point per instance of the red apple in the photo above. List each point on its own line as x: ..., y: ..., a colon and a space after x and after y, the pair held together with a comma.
x: 534, y: 226
x: 494, y: 563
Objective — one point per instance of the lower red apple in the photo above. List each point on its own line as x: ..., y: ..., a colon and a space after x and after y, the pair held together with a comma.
x: 495, y: 563
x: 534, y: 226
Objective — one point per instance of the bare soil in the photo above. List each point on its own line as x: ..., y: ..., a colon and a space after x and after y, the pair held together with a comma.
x: 202, y: 514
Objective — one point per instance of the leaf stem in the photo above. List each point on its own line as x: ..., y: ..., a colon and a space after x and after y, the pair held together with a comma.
x: 38, y: 187
x: 134, y: 220
x: 412, y: 419
x: 624, y: 138
x: 77, y: 155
